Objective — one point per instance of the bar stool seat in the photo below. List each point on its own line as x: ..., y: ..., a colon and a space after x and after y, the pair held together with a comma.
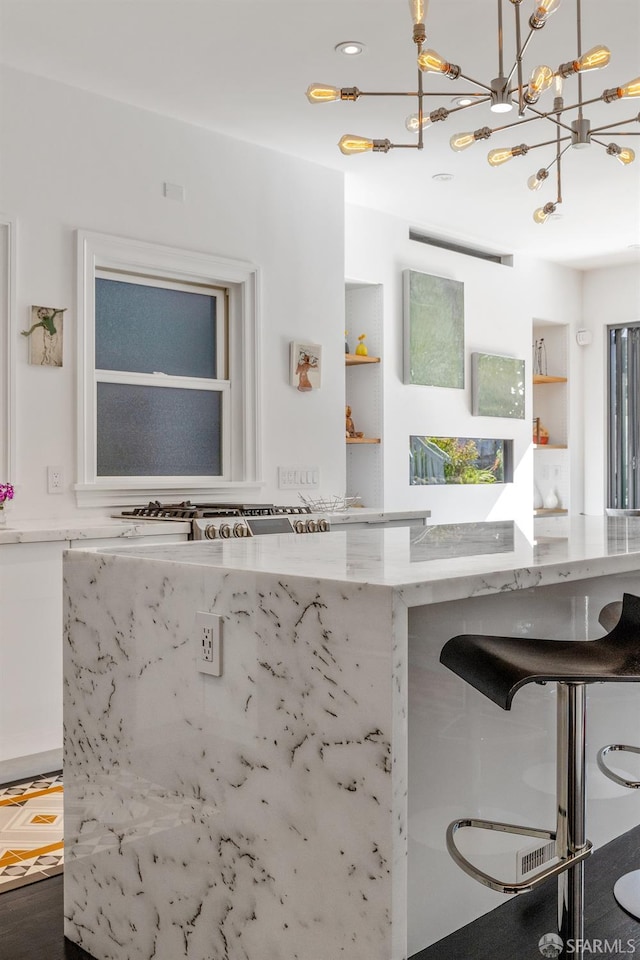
x: 626, y: 889
x: 498, y: 667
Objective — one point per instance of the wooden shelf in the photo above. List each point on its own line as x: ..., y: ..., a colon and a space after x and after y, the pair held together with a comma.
x: 539, y: 378
x: 546, y: 512
x: 362, y: 440
x: 352, y: 359
x: 550, y: 446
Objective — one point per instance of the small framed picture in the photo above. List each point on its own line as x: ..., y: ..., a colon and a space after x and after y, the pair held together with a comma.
x: 306, y: 365
x: 45, y: 336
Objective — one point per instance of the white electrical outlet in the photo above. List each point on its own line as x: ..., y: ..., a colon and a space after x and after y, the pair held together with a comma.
x: 55, y: 480
x: 209, y: 636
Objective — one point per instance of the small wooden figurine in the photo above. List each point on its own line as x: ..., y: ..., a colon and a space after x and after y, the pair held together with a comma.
x: 350, y: 430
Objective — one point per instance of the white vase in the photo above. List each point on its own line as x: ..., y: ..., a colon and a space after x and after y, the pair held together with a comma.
x: 551, y: 500
x: 3, y: 517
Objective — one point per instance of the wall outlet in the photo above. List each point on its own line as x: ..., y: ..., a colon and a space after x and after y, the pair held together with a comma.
x: 55, y: 480
x: 209, y: 635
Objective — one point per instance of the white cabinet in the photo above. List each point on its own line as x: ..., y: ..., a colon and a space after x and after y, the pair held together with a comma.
x: 31, y: 650
x: 363, y: 393
x: 550, y: 428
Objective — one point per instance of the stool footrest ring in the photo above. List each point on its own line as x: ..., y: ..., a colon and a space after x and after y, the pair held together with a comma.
x: 502, y: 886
x: 613, y: 748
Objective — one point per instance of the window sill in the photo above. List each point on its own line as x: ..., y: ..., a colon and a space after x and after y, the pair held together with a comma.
x: 130, y: 494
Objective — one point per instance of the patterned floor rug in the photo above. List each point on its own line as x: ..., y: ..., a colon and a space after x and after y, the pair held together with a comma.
x: 31, y: 831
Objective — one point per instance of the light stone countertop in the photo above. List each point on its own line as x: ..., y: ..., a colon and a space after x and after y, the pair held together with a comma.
x: 440, y: 562
x: 95, y: 528
x: 89, y: 528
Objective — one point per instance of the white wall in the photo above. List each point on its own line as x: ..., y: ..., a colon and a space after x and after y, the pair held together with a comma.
x: 500, y: 305
x: 74, y: 160
x: 611, y: 296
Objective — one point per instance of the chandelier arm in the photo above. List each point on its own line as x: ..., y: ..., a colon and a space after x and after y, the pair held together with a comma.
x: 465, y: 106
x: 471, y: 80
x: 389, y: 93
x: 599, y: 142
x: 608, y: 126
x: 516, y: 123
x: 559, y: 163
x: 556, y: 120
x: 548, y: 143
x: 420, y: 98
x: 579, y: 40
x: 519, y: 55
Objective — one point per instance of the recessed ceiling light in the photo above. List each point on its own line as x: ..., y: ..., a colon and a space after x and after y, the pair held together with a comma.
x: 634, y: 246
x: 350, y: 48
x: 466, y: 100
x: 442, y: 176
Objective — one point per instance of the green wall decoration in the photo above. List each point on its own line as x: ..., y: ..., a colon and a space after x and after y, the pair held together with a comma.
x: 433, y: 330
x: 497, y: 386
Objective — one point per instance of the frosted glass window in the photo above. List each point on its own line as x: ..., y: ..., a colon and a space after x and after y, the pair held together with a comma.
x: 150, y: 329
x: 146, y: 431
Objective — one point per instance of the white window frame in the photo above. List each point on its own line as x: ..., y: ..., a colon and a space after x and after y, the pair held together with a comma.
x: 241, y: 427
x: 8, y: 336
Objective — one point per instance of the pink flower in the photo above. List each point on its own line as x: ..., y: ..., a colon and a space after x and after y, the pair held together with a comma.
x: 6, y: 492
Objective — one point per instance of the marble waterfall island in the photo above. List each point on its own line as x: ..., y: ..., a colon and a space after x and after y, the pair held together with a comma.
x: 293, y: 808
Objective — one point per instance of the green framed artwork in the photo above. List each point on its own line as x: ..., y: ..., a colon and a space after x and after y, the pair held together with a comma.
x: 497, y: 386
x: 433, y: 330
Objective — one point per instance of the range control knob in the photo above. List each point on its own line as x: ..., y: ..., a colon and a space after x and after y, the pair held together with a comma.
x: 225, y: 531
x: 299, y: 526
x: 240, y: 530
x: 323, y: 526
x: 312, y: 526
x: 210, y: 532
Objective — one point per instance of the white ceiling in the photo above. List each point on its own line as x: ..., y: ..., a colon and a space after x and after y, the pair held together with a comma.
x: 242, y: 68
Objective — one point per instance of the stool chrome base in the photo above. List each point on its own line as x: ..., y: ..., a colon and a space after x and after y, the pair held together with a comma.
x: 626, y: 890
x: 617, y: 748
x: 505, y: 886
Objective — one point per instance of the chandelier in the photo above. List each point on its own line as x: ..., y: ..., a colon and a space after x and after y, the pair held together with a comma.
x: 504, y: 93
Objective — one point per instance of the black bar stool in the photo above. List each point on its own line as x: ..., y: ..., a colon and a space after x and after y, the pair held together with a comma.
x: 498, y: 667
x: 626, y: 889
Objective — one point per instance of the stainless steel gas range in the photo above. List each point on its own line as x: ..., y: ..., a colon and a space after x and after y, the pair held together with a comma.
x: 224, y: 521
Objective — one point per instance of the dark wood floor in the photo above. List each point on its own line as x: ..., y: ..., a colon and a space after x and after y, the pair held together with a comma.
x: 31, y: 918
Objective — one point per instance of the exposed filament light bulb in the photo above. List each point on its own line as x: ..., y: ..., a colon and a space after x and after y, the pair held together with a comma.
x: 350, y: 144
x: 540, y: 80
x: 430, y: 61
x: 322, y: 93
x: 624, y: 154
x: 594, y: 59
x: 631, y: 89
x: 536, y: 180
x: 502, y: 154
x: 412, y: 123
x: 418, y: 9
x: 542, y: 214
x: 460, y: 141
x: 542, y: 10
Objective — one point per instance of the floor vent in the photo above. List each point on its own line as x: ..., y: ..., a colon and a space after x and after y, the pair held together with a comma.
x: 506, y: 259
x: 530, y: 860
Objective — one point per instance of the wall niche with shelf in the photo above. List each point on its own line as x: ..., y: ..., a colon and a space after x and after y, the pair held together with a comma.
x: 364, y: 392
x: 550, y: 428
